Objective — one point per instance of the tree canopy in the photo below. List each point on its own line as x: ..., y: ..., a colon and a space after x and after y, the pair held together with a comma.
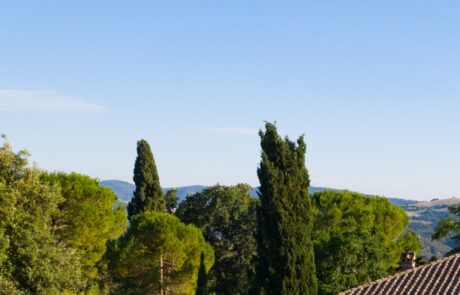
x: 87, y: 218
x: 63, y: 233
x: 226, y: 216
x: 357, y: 239
x: 32, y: 261
x: 159, y: 254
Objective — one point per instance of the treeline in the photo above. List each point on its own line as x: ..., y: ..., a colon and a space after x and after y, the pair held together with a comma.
x: 65, y: 234
x: 53, y: 228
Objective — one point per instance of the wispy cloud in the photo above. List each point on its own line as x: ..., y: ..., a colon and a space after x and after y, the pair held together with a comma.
x: 231, y: 131
x: 12, y: 99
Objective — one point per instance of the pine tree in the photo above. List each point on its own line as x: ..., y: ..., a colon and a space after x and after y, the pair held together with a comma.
x: 158, y: 255
x: 285, y: 250
x: 202, y: 282
x: 148, y: 194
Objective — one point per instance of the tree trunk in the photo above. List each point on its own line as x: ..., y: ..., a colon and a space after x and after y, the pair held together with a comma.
x: 161, y: 276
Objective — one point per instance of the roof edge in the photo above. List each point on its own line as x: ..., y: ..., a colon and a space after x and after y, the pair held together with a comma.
x: 402, y: 273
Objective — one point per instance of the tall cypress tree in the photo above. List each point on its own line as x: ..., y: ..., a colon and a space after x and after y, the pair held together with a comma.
x: 202, y: 282
x: 285, y: 250
x: 148, y: 194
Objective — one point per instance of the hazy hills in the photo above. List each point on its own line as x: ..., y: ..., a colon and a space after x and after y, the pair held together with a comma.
x: 124, y: 191
x: 423, y: 216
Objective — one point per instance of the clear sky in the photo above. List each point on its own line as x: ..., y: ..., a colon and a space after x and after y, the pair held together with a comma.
x: 373, y: 85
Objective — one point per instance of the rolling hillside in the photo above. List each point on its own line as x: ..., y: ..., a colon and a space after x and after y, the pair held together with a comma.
x: 424, y: 216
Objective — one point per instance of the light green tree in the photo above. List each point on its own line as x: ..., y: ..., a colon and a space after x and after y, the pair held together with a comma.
x: 357, y: 238
x: 409, y: 241
x: 159, y: 255
x: 87, y: 218
x: 32, y: 261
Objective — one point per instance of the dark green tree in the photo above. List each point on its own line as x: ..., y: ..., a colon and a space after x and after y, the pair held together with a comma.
x: 202, y: 282
x: 148, y: 194
x: 227, y: 217
x: 171, y: 199
x: 285, y: 249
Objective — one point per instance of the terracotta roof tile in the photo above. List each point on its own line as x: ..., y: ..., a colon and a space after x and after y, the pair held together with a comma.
x: 439, y: 277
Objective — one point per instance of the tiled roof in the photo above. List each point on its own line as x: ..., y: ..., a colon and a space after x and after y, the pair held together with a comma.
x: 439, y: 277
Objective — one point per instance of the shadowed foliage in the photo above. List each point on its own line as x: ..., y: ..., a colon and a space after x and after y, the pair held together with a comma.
x: 285, y: 249
x: 148, y: 194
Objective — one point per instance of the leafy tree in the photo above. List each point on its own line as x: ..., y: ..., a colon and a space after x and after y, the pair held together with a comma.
x: 159, y: 255
x: 202, y: 283
x: 357, y: 239
x: 148, y: 194
x: 409, y: 241
x: 171, y: 199
x: 348, y: 260
x: 31, y: 260
x: 87, y: 217
x: 285, y: 250
x: 449, y: 227
x: 226, y: 216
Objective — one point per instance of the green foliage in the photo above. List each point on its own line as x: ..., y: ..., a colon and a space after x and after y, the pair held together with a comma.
x: 171, y: 200
x: 202, y: 282
x: 31, y: 260
x: 450, y: 227
x: 348, y: 260
x: 226, y: 216
x: 409, y: 241
x: 87, y: 217
x: 148, y: 194
x: 285, y: 250
x: 356, y: 239
x: 158, y: 242
x: 56, y: 227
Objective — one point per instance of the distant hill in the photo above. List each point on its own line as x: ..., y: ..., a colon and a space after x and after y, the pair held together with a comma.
x: 124, y: 190
x: 184, y: 191
x: 423, y: 219
x: 438, y: 202
x: 423, y: 216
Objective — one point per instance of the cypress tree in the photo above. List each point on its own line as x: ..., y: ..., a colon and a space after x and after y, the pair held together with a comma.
x: 285, y: 250
x: 202, y: 283
x: 148, y: 194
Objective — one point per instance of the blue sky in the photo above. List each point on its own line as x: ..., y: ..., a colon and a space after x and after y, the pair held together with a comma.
x: 374, y: 86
